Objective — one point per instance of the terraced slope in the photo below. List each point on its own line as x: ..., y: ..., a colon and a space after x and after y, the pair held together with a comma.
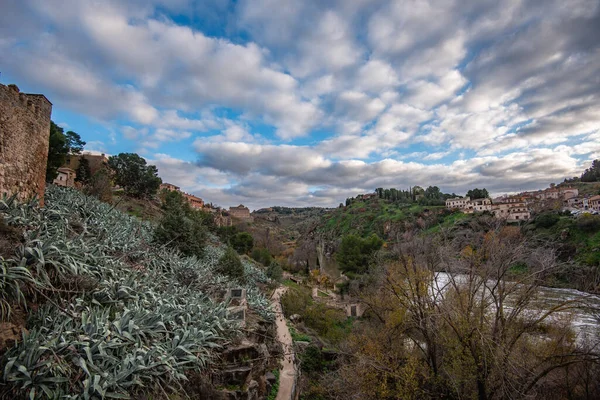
x: 110, y: 315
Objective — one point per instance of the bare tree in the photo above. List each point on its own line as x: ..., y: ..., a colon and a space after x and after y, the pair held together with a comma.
x: 467, y: 321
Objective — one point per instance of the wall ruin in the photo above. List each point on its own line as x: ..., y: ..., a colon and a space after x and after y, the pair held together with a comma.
x: 24, y: 139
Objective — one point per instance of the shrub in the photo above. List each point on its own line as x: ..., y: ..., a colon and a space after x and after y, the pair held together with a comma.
x: 242, y: 242
x: 262, y: 255
x: 356, y: 254
x: 312, y: 360
x: 295, y: 301
x: 181, y: 227
x: 231, y: 265
x: 226, y: 233
x: 589, y: 223
x: 99, y: 186
x: 546, y: 220
x: 275, y: 271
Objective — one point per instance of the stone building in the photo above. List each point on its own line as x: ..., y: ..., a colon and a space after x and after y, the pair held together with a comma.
x: 513, y: 209
x: 96, y: 161
x: 222, y: 220
x: 194, y: 201
x: 65, y: 177
x: 479, y: 205
x: 569, y: 193
x: 594, y: 203
x: 24, y: 139
x: 241, y: 212
x: 169, y: 186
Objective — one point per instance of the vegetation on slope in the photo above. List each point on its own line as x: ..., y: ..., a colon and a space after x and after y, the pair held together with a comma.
x: 479, y: 330
x: 379, y: 216
x: 111, y: 313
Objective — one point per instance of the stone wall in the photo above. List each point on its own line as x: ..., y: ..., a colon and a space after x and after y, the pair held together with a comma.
x: 24, y: 133
x: 241, y: 212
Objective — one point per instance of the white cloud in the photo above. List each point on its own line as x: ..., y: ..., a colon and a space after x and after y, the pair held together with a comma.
x: 322, y: 98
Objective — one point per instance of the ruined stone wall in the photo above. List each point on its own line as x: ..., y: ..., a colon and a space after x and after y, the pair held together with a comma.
x: 24, y: 133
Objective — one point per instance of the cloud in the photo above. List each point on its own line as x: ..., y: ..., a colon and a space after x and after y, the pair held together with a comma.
x: 309, y: 102
x: 243, y: 158
x: 172, y: 66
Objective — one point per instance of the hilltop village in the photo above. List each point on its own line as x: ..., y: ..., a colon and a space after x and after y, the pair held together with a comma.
x: 67, y: 177
x: 519, y: 207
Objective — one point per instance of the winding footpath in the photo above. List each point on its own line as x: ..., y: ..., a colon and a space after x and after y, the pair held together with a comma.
x: 287, y: 373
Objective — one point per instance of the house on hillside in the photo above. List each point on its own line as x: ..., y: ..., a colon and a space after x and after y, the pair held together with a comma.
x: 594, y: 203
x: 459, y: 203
x: 194, y: 201
x: 366, y: 196
x: 96, y: 161
x: 550, y: 194
x: 241, y: 212
x: 479, y: 205
x: 169, y: 186
x: 569, y: 193
x: 511, y: 208
x: 65, y: 177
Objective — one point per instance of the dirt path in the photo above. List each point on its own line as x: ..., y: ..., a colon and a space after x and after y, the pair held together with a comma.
x: 287, y: 372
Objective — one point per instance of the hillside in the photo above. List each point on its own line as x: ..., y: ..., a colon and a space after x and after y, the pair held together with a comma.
x: 108, y: 314
x: 382, y: 217
x: 576, y: 240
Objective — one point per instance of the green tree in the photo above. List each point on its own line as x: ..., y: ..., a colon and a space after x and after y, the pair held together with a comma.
x: 61, y: 144
x: 262, y: 255
x: 133, y: 174
x: 478, y: 193
x: 83, y: 173
x: 99, y: 186
x: 417, y: 192
x: 355, y: 254
x: 242, y: 242
x: 181, y: 227
x: 231, y: 265
x: 226, y: 233
x: 433, y: 192
x: 275, y: 271
x: 592, y: 174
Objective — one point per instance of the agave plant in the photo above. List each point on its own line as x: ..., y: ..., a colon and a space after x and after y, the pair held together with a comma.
x: 148, y: 318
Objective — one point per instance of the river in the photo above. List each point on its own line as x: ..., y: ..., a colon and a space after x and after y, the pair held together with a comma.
x: 585, y: 318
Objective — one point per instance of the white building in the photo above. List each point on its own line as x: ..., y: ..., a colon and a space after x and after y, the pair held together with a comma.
x: 479, y: 205
x: 65, y: 177
x: 458, y: 203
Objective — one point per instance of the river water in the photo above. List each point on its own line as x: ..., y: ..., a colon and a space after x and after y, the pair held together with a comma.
x: 585, y: 317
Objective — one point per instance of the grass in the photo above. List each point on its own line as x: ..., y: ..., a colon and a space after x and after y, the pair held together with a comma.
x: 290, y: 283
x: 275, y: 388
x: 298, y: 337
x: 322, y: 294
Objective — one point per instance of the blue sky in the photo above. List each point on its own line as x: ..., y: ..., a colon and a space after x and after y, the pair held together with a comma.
x: 284, y: 102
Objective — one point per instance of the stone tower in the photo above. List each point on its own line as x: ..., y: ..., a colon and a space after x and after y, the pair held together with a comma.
x: 24, y: 139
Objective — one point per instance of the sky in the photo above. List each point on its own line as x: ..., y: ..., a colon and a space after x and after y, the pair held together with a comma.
x: 305, y: 103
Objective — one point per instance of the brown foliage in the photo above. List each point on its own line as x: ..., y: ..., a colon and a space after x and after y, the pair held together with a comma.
x: 475, y: 331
